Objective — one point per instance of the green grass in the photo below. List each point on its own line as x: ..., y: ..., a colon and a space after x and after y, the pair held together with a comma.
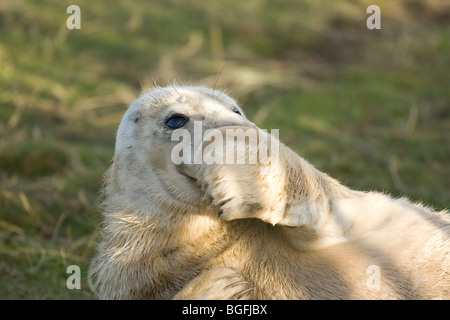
x: 370, y: 108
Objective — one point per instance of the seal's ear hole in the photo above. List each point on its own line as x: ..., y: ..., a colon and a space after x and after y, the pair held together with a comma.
x: 176, y: 121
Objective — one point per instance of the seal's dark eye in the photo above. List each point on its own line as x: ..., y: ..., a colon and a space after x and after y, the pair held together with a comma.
x: 176, y: 121
x: 236, y: 110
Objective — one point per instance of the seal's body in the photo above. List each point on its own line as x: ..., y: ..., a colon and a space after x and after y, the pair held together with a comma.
x: 278, y: 230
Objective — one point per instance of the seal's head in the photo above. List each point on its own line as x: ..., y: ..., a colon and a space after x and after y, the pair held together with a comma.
x: 143, y: 171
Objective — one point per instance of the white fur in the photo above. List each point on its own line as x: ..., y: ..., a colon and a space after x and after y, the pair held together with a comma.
x: 285, y: 231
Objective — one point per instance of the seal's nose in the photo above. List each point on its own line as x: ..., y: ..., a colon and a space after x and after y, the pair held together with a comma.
x: 219, y: 118
x: 219, y: 123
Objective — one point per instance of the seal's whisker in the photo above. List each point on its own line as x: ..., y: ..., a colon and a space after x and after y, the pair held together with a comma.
x: 217, y: 79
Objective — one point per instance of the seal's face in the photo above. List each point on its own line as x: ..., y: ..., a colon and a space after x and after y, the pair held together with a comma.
x: 150, y: 130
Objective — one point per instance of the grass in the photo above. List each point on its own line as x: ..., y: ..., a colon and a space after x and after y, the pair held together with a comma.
x: 370, y: 107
